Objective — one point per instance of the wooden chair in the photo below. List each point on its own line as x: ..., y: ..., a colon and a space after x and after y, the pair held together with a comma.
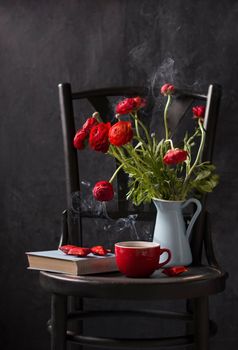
x: 200, y: 282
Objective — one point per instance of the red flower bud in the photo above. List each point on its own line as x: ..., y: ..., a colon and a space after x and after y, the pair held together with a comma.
x: 103, y: 191
x: 80, y: 139
x: 120, y: 133
x: 174, y: 271
x: 167, y: 89
x: 99, y: 250
x: 90, y: 122
x: 98, y: 137
x: 175, y: 156
x: 130, y: 104
x: 198, y: 112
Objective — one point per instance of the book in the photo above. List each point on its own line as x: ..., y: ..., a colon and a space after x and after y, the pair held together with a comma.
x: 57, y: 261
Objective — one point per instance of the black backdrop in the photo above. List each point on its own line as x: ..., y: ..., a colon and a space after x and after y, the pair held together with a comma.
x: 92, y: 44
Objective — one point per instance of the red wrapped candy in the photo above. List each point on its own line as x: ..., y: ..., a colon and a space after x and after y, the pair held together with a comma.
x: 79, y: 251
x: 99, y: 250
x: 66, y: 248
x: 174, y: 271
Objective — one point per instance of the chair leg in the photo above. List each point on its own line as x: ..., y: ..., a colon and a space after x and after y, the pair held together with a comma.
x: 75, y: 304
x: 189, y: 309
x: 58, y: 322
x: 201, y: 323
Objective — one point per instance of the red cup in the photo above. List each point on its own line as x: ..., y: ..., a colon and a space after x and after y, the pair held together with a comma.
x: 139, y: 258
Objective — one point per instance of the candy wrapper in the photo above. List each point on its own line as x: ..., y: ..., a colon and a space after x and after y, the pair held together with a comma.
x: 82, y: 251
x: 174, y: 271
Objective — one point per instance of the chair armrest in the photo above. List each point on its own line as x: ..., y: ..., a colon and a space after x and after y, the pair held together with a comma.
x: 208, y: 244
x: 64, y: 228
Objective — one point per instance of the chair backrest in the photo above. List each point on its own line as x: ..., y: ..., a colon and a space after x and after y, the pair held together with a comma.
x: 99, y: 100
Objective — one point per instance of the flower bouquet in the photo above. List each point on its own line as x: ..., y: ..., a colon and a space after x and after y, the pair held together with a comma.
x: 156, y: 168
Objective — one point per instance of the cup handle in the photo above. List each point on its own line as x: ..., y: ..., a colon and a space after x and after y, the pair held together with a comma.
x: 164, y: 250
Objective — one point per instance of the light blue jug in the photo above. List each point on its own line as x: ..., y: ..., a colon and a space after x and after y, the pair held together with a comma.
x: 170, y: 230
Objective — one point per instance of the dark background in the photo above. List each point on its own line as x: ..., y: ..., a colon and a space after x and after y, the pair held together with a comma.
x: 93, y: 44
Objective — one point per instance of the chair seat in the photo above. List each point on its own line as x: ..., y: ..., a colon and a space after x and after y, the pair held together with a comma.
x: 202, y: 281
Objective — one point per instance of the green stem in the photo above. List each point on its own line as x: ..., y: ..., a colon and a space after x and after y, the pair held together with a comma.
x: 193, y: 136
x: 115, y: 173
x: 187, y: 147
x: 134, y: 155
x: 135, y: 117
x: 143, y: 127
x: 200, y: 122
x: 166, y: 117
x: 121, y: 152
x: 199, y: 154
x: 171, y: 143
x: 124, y: 161
x: 116, y: 152
x: 136, y: 125
x: 96, y: 115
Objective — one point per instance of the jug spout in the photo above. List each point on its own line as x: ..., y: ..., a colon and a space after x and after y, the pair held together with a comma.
x: 163, y: 204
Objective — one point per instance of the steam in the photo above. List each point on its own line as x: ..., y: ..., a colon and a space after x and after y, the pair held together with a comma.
x: 165, y: 73
x: 84, y: 203
x: 138, y: 53
x: 122, y: 224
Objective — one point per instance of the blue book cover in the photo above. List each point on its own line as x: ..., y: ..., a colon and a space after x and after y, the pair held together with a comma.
x: 57, y: 261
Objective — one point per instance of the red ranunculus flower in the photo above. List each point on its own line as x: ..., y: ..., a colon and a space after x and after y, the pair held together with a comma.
x: 98, y: 137
x: 130, y: 104
x: 120, y: 133
x: 103, y: 191
x: 198, y: 112
x: 167, y: 89
x: 80, y: 139
x: 126, y: 106
x: 175, y: 156
x: 139, y: 102
x: 90, y: 122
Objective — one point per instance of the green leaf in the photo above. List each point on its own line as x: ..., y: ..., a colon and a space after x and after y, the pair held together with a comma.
x: 202, y: 175
x: 207, y: 185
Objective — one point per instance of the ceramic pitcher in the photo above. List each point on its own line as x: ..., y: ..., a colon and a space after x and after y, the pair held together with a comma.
x: 170, y: 230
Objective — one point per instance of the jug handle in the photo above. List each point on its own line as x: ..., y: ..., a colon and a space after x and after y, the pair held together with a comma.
x: 195, y: 215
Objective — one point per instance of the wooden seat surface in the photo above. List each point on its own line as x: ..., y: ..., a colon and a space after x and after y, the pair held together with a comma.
x: 202, y: 280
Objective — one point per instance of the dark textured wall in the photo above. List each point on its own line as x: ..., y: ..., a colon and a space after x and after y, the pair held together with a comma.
x: 97, y: 43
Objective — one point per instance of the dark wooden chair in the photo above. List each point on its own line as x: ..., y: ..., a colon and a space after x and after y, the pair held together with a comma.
x: 201, y: 281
